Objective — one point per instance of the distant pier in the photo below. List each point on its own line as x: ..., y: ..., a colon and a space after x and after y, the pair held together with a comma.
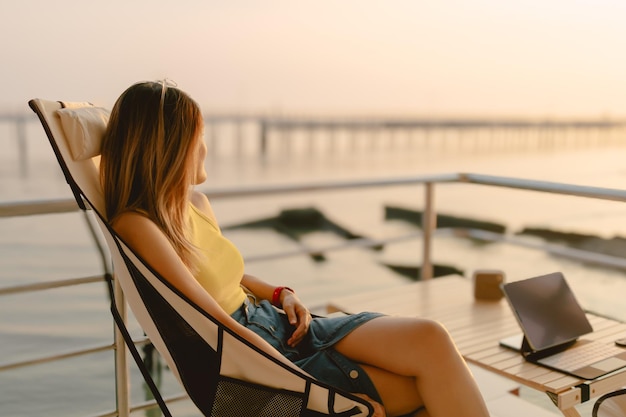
x: 310, y: 137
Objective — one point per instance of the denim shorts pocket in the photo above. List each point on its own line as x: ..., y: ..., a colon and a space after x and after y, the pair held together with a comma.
x: 272, y: 326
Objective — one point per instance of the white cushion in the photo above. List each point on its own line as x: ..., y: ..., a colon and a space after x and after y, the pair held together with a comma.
x: 84, y: 128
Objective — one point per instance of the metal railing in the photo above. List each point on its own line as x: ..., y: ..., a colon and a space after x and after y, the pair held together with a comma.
x: 429, y: 228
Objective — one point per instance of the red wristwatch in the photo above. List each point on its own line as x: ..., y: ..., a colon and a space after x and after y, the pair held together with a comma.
x: 276, y: 296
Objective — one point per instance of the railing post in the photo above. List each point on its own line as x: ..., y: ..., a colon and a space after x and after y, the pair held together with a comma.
x: 212, y: 139
x: 429, y: 224
x: 20, y: 127
x: 122, y: 373
x: 263, y: 126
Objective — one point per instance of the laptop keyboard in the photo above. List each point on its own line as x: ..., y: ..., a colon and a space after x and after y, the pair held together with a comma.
x: 582, y: 355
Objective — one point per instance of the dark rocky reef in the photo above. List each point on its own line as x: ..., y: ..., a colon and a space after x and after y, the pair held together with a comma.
x: 413, y: 272
x: 297, y: 222
x: 615, y: 246
x: 443, y: 220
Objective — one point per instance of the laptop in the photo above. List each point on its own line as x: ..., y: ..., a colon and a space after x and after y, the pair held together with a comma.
x: 553, y: 324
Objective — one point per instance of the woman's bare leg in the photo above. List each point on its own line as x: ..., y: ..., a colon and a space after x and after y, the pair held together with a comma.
x: 422, y: 352
x: 399, y: 393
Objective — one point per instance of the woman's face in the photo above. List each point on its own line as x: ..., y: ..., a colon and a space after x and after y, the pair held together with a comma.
x: 200, y: 174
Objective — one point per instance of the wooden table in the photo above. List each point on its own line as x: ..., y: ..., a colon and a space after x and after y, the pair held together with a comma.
x: 477, y: 326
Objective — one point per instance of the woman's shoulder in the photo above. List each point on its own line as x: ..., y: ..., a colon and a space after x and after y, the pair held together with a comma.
x: 131, y: 222
x: 201, y: 202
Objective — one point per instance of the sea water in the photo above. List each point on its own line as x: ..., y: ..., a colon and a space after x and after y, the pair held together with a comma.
x: 45, y: 248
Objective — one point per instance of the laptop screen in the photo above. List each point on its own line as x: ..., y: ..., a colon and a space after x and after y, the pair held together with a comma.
x: 547, y: 310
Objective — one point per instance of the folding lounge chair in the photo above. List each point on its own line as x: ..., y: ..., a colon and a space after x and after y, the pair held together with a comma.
x: 612, y: 404
x: 223, y: 374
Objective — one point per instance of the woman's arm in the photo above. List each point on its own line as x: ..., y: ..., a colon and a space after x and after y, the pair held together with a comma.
x: 147, y: 240
x: 297, y: 312
x: 299, y: 316
x: 263, y: 290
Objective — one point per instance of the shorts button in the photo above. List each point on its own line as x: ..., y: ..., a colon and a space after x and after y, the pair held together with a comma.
x: 354, y: 374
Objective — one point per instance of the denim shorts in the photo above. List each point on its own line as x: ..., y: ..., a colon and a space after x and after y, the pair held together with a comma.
x: 315, y: 353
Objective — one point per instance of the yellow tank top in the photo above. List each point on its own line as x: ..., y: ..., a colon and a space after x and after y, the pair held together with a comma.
x: 221, y: 265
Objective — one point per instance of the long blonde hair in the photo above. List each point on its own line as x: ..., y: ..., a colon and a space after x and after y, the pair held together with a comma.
x: 147, y: 162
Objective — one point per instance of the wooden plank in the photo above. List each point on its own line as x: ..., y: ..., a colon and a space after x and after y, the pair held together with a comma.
x: 609, y: 333
x: 468, y: 347
x: 514, y: 365
x: 490, y: 355
x: 533, y: 373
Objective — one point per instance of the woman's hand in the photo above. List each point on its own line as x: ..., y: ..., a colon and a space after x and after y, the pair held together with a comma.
x: 379, y: 410
x: 298, y: 316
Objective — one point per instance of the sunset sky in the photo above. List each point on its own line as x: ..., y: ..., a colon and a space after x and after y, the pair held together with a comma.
x: 547, y: 58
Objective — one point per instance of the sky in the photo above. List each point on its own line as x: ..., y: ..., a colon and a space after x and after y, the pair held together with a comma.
x: 539, y: 58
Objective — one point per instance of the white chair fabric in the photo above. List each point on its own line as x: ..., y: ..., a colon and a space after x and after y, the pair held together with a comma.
x: 611, y: 405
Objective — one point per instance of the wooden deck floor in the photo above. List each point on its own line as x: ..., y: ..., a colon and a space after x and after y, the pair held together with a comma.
x: 476, y: 327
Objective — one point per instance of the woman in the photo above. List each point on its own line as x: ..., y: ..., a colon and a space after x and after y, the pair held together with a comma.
x: 153, y: 154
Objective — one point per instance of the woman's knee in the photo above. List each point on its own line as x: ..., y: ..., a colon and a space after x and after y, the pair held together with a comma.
x: 396, y: 342
x: 431, y: 343
x: 431, y: 331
